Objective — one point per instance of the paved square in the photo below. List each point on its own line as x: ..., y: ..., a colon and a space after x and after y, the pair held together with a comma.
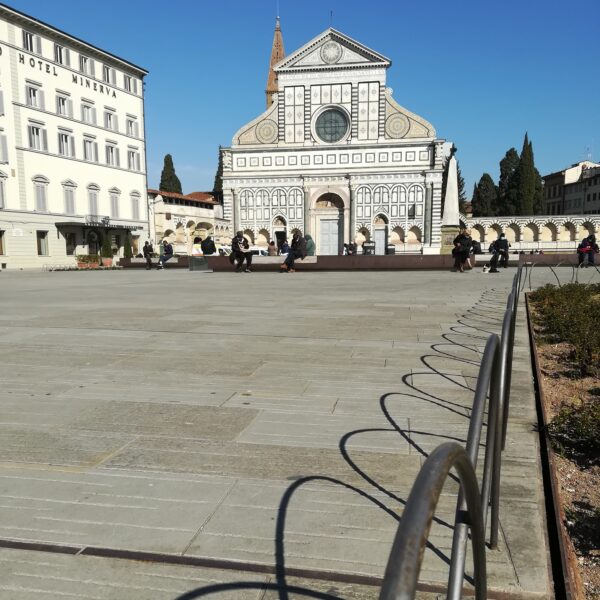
x: 259, y: 419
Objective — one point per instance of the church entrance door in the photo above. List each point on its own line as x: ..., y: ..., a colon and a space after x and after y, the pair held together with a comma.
x: 380, y: 241
x: 329, y: 239
x: 329, y: 210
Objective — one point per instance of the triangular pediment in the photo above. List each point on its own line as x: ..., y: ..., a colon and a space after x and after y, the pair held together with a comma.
x: 332, y: 50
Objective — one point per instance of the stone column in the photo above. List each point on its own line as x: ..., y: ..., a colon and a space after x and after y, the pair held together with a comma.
x: 352, y: 188
x: 347, y: 230
x: 236, y: 210
x: 428, y: 217
x: 307, y: 227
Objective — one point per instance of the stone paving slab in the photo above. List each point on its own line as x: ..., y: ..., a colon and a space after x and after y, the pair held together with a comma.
x: 277, y: 430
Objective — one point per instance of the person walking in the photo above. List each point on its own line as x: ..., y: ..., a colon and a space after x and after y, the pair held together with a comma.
x: 241, y: 251
x: 148, y: 250
x: 208, y: 246
x: 297, y: 250
x: 166, y: 255
x: 310, y: 245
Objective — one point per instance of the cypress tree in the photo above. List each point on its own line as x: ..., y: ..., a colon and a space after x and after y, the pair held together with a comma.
x: 485, y: 197
x: 218, y: 184
x: 525, y: 178
x: 169, y: 182
x: 127, y: 249
x: 507, y: 183
x: 462, y: 197
x: 538, y: 198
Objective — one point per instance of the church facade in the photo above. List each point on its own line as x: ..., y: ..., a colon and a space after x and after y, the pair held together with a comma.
x: 335, y: 156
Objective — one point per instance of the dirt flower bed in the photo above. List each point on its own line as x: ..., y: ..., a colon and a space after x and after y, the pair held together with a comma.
x: 566, y: 328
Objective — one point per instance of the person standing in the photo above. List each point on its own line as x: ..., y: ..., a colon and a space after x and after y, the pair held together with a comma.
x: 208, y: 246
x: 166, y: 255
x: 148, y: 250
x: 241, y: 251
x: 310, y: 245
x: 297, y: 250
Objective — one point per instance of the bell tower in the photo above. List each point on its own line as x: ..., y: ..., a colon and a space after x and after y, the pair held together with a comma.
x: 277, y: 54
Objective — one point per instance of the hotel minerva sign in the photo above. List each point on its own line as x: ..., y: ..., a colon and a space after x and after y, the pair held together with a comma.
x: 50, y: 69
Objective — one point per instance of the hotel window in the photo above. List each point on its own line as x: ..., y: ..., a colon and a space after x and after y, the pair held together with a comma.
x: 69, y: 196
x: 108, y: 75
x: 110, y: 120
x: 62, y: 56
x: 31, y: 42
x: 66, y: 143
x: 2, y: 180
x: 135, y: 206
x: 93, y: 190
x: 86, y: 65
x: 3, y: 149
x: 38, y: 138
x: 114, y: 203
x: 90, y: 149
x: 133, y: 159
x: 42, y: 243
x: 130, y: 84
x: 88, y: 113
x: 133, y: 127
x: 34, y: 96
x: 40, y: 188
x: 112, y: 155
x: 64, y: 106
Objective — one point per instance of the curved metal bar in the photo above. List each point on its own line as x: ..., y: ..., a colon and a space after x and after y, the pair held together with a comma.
x: 488, y: 380
x: 555, y: 275
x: 406, y: 556
x: 506, y: 353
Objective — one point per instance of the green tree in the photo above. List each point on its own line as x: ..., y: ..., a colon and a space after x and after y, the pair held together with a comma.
x: 169, y: 182
x: 507, y: 190
x: 106, y: 248
x: 218, y: 184
x: 538, y: 199
x: 462, y: 197
x: 485, y: 197
x: 525, y: 180
x: 127, y: 250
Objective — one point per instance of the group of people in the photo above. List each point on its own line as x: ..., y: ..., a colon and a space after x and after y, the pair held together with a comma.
x: 465, y: 246
x: 165, y: 254
x: 166, y: 251
x: 299, y: 248
x: 587, y: 250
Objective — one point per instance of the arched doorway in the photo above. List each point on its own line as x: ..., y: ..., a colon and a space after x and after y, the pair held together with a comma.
x: 279, y: 231
x: 329, y: 210
x: 380, y: 230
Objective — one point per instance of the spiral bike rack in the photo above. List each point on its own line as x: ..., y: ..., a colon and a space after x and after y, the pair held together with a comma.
x: 474, y: 501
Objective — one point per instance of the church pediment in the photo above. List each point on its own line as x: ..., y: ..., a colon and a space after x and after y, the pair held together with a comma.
x: 332, y: 50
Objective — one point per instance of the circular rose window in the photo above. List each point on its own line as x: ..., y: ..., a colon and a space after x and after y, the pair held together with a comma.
x: 331, y: 125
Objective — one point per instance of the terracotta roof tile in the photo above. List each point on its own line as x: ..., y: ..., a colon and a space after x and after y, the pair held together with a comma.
x: 200, y: 197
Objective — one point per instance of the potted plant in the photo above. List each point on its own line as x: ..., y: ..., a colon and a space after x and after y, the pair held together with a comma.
x: 87, y: 261
x: 106, y: 251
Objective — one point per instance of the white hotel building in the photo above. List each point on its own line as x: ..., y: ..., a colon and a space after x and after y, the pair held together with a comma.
x: 72, y: 150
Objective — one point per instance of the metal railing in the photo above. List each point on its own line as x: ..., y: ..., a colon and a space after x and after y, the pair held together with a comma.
x: 474, y: 502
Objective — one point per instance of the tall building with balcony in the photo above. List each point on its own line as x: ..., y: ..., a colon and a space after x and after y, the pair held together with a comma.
x: 72, y: 149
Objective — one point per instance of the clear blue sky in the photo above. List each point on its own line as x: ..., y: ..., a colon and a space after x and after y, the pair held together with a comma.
x: 481, y: 72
